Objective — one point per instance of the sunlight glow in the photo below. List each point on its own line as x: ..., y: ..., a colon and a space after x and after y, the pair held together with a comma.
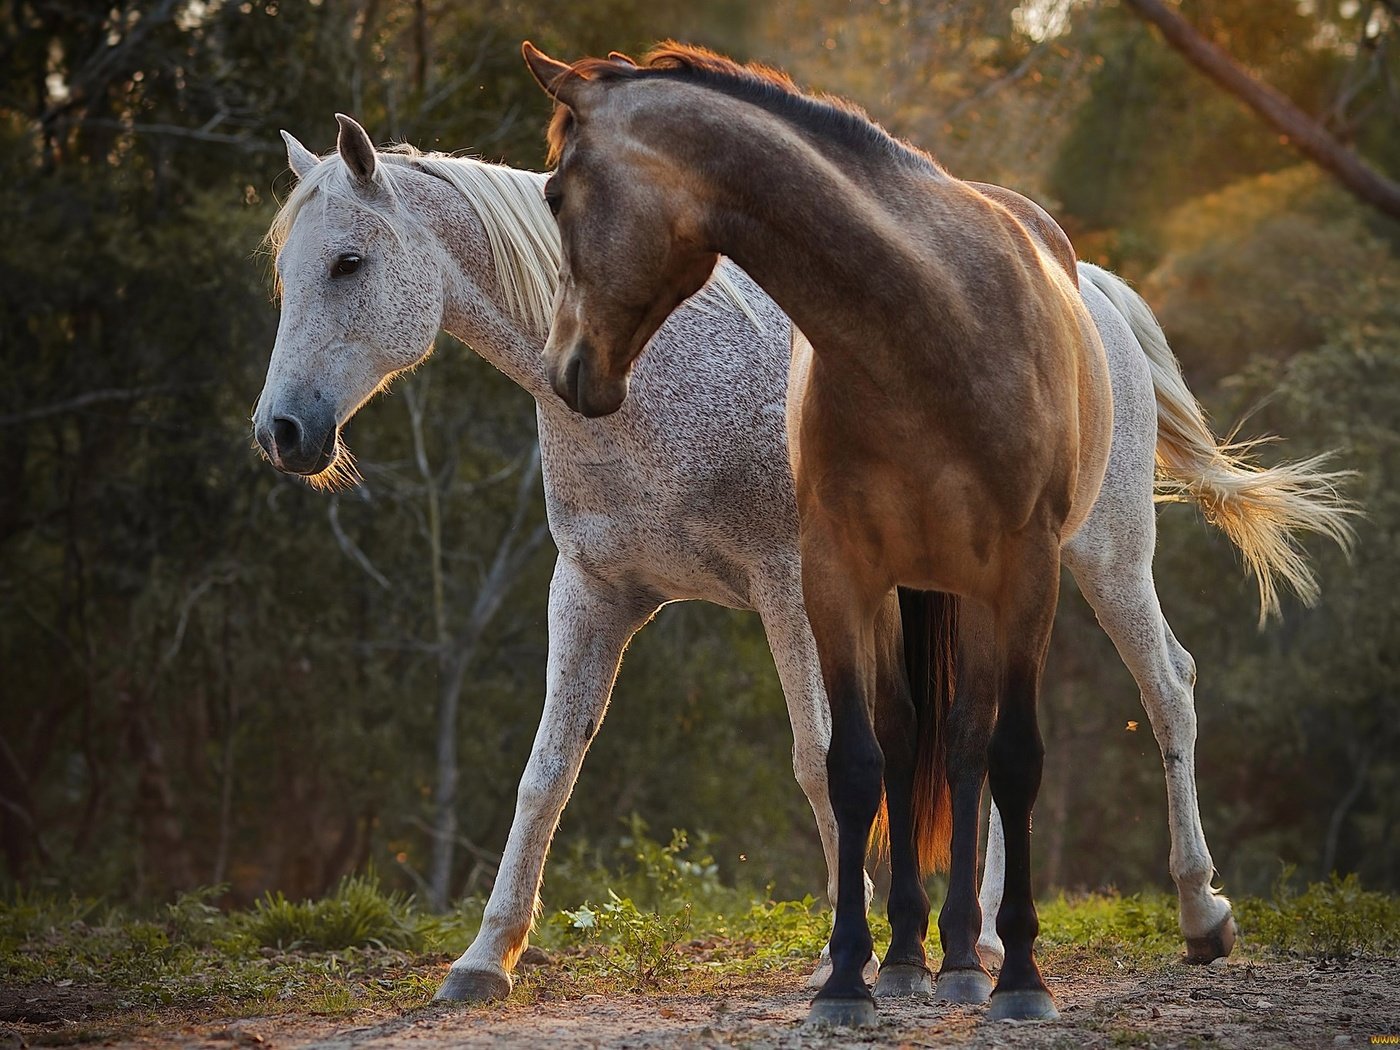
x: 1043, y: 19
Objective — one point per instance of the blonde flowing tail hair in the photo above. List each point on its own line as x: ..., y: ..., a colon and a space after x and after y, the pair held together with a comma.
x: 1261, y: 509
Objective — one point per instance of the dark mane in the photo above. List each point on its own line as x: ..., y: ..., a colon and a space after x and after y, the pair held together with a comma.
x: 833, y: 119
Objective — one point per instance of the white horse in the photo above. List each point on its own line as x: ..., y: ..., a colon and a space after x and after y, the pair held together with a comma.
x: 686, y: 492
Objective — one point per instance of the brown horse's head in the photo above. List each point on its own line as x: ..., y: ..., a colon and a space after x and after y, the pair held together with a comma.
x: 633, y: 247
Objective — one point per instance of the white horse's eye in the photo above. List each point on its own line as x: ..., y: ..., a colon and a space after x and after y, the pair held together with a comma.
x: 346, y: 265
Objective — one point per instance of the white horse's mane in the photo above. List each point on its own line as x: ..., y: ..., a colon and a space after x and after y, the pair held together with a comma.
x: 509, y: 201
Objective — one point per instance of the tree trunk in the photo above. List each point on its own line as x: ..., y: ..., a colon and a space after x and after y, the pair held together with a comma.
x: 1361, y: 762
x: 19, y: 831
x: 1306, y: 134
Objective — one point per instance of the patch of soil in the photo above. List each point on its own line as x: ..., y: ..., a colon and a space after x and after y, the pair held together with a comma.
x: 1236, y: 1004
x: 62, y: 1003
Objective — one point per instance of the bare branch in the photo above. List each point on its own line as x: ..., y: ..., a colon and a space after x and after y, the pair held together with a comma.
x: 186, y: 609
x: 995, y: 85
x: 92, y: 397
x: 247, y: 141
x: 351, y: 549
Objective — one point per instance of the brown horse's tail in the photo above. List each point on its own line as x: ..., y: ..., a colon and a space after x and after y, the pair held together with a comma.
x: 1259, y: 508
x: 930, y: 622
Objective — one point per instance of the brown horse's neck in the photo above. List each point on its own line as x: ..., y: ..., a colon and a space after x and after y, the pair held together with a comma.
x: 811, y: 222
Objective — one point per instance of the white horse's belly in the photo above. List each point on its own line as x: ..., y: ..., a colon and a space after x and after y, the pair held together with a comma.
x: 682, y: 530
x: 676, y: 557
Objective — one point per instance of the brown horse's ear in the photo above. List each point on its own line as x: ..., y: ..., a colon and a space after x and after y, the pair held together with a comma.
x: 356, y: 149
x: 626, y: 60
x: 550, y: 74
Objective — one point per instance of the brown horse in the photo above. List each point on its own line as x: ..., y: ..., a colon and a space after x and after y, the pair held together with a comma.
x: 949, y: 425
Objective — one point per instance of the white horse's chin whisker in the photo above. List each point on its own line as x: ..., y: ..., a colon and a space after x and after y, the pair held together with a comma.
x: 340, y: 475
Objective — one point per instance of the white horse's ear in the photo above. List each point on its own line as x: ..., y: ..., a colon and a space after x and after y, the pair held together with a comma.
x: 356, y: 149
x: 619, y: 57
x: 300, y: 159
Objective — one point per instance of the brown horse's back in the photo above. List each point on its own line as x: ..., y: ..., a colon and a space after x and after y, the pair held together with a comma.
x: 1038, y: 223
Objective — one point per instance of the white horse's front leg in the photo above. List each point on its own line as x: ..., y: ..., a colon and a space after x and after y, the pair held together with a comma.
x: 589, y: 626
x: 795, y: 653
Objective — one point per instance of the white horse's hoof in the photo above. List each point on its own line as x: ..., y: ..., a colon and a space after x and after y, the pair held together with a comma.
x: 473, y: 986
x: 1216, y: 944
x: 991, y: 952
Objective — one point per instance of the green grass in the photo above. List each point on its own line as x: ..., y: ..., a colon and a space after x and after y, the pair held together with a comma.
x: 358, y: 914
x: 656, y: 919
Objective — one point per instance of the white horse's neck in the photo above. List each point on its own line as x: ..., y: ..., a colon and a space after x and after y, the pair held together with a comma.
x: 477, y: 309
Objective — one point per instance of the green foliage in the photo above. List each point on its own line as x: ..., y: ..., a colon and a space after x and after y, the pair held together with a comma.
x: 1333, y: 919
x: 1138, y: 926
x: 358, y: 914
x: 1268, y: 267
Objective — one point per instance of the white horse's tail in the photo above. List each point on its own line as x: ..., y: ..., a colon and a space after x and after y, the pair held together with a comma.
x: 1259, y: 508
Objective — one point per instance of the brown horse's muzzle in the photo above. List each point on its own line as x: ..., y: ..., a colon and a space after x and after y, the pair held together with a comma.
x: 582, y: 385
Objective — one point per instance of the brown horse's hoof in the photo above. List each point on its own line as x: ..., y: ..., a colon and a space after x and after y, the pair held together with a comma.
x: 903, y: 979
x: 963, y: 986
x: 1022, y: 1004
x: 843, y: 1013
x: 1217, y: 944
x: 473, y: 986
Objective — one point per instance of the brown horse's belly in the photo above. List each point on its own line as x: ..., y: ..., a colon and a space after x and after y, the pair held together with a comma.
x: 921, y: 520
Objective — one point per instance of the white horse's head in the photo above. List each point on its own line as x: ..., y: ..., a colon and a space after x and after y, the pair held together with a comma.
x: 362, y: 285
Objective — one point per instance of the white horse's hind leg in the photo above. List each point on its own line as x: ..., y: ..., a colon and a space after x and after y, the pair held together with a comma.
x: 795, y: 653
x: 1111, y: 559
x: 1122, y: 593
x: 589, y: 626
x: 989, y: 946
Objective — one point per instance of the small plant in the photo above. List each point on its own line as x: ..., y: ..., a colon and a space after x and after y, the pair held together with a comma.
x: 358, y: 914
x: 655, y: 874
x: 647, y: 945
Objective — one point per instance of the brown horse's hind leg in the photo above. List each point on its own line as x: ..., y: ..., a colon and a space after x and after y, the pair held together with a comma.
x: 962, y: 979
x: 905, y: 967
x: 843, y: 624
x: 1015, y: 758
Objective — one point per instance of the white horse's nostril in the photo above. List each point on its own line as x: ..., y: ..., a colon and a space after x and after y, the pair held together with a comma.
x: 286, y: 434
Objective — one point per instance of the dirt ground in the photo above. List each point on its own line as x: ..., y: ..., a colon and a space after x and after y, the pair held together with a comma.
x: 1239, y: 1003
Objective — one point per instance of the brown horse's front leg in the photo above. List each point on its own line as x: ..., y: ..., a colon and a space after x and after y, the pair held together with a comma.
x: 843, y: 626
x: 1016, y: 757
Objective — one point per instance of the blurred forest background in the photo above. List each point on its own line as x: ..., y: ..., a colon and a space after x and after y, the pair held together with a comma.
x: 204, y: 683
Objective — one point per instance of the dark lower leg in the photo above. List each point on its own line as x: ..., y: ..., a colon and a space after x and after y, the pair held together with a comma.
x: 960, y: 921
x: 854, y: 768
x: 897, y: 726
x: 970, y: 729
x: 1016, y: 758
